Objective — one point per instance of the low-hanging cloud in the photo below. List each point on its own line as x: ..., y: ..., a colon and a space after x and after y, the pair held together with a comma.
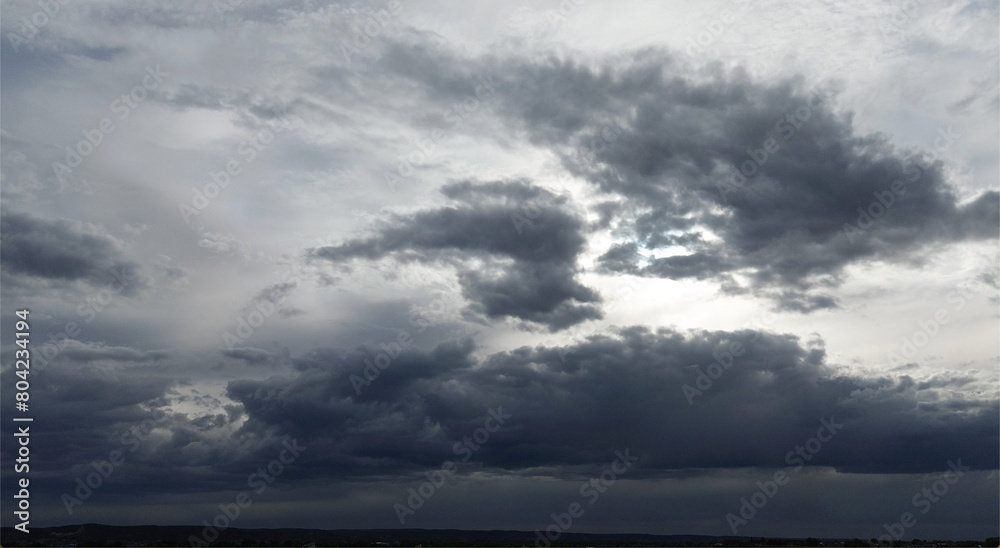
x: 626, y: 389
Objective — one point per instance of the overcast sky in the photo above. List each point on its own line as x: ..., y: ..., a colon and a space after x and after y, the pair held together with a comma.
x: 692, y: 232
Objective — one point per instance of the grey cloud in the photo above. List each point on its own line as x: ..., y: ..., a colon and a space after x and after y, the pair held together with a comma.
x: 251, y: 108
x: 797, y: 302
x: 101, y: 53
x: 61, y: 251
x: 250, y: 355
x: 191, y: 96
x: 523, y: 235
x: 88, y: 352
x: 276, y: 292
x: 543, y: 294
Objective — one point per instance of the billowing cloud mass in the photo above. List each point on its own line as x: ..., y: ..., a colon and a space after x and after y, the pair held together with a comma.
x: 696, y: 400
x: 726, y: 239
x: 760, y: 186
x: 647, y: 390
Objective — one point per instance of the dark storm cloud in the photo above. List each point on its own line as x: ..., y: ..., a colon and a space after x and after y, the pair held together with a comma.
x: 569, y: 408
x: 672, y: 141
x: 87, y: 399
x: 61, y: 251
x: 522, y: 237
x: 569, y: 405
x: 93, y: 399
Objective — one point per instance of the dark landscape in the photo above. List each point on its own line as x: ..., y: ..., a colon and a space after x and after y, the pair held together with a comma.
x: 92, y: 534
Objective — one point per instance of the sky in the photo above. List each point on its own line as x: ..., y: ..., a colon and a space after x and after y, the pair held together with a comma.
x: 721, y: 267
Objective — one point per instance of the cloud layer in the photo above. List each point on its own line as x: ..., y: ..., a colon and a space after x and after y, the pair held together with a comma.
x: 626, y: 389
